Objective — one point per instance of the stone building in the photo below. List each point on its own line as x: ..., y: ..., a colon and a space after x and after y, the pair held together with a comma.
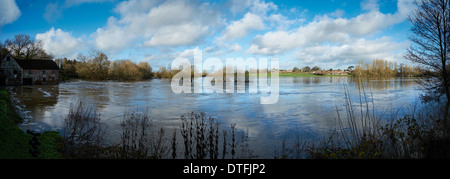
x: 28, y: 72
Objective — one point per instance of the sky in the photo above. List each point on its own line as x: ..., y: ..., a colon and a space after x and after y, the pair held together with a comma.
x: 325, y: 33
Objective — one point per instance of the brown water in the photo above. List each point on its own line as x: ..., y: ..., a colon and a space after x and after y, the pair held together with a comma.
x: 306, y: 104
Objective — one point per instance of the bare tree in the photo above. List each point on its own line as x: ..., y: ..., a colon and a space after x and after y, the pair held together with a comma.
x: 18, y: 44
x: 430, y: 37
x: 24, y: 47
x: 3, y: 51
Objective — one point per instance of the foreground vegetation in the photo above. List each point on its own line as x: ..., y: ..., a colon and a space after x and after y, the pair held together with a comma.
x: 202, y: 136
x: 15, y: 144
x: 363, y: 133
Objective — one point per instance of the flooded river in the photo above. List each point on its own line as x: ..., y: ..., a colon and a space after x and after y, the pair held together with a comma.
x: 306, y: 104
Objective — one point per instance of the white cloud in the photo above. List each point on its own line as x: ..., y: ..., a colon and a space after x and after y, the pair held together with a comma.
x: 60, y: 43
x: 169, y: 23
x: 351, y: 52
x: 242, y: 27
x: 255, y: 6
x: 113, y: 36
x: 405, y: 7
x: 52, y: 12
x: 262, y: 8
x: 370, y: 5
x: 175, y: 35
x: 338, y: 13
x: 9, y: 12
x: 235, y: 48
x: 281, y: 22
x: 238, y: 6
x: 188, y: 53
x: 326, y: 30
x: 134, y: 7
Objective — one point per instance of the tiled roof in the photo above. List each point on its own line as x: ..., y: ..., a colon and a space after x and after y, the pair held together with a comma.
x: 38, y: 64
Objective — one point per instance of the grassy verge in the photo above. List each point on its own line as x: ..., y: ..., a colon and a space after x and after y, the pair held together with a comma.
x: 305, y: 75
x: 50, y: 145
x: 301, y: 74
x: 14, y: 142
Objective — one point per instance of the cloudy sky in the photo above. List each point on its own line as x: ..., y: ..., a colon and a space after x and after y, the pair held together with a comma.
x: 327, y: 33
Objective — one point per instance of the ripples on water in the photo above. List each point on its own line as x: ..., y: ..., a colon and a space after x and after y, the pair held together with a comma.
x: 305, y: 103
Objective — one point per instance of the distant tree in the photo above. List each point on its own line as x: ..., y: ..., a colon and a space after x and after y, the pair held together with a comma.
x: 67, y: 68
x: 350, y: 68
x: 23, y: 47
x: 146, y: 70
x: 315, y: 68
x: 128, y: 70
x: 430, y: 37
x: 125, y: 70
x: 296, y: 69
x: 94, y: 66
x: 306, y: 69
x: 3, y: 51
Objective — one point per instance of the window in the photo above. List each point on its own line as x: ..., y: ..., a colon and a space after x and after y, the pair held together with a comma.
x: 43, y: 72
x: 30, y: 72
x: 53, y: 71
x: 44, y: 80
x: 15, y: 72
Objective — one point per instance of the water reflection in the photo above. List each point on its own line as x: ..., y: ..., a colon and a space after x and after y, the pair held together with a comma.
x: 39, y: 96
x: 305, y: 103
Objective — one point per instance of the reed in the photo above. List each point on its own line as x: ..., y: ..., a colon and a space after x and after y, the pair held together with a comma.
x: 84, y: 132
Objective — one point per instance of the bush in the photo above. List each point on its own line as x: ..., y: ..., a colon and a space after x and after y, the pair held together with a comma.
x: 84, y: 132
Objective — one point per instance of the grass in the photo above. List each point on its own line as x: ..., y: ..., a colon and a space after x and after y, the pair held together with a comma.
x: 50, y: 145
x: 14, y: 142
x: 300, y: 74
x: 293, y: 74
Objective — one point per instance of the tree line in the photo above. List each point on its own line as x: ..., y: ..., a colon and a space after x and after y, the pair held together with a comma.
x: 96, y: 66
x: 377, y: 68
x: 384, y: 68
x: 93, y: 66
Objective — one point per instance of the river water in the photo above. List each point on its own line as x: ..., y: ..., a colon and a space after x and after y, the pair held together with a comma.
x: 307, y: 105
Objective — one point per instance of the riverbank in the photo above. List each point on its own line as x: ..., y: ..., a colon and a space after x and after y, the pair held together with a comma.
x: 302, y: 74
x: 299, y: 74
x: 15, y: 143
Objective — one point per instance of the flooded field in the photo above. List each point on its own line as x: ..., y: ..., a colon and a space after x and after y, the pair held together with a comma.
x: 306, y: 105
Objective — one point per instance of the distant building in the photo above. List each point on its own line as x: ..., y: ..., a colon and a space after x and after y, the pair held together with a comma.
x: 28, y: 72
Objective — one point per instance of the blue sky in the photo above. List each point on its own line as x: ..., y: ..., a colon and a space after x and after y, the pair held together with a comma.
x: 327, y: 33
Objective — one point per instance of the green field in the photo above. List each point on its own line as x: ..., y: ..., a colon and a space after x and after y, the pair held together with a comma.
x: 301, y: 75
x: 306, y: 75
